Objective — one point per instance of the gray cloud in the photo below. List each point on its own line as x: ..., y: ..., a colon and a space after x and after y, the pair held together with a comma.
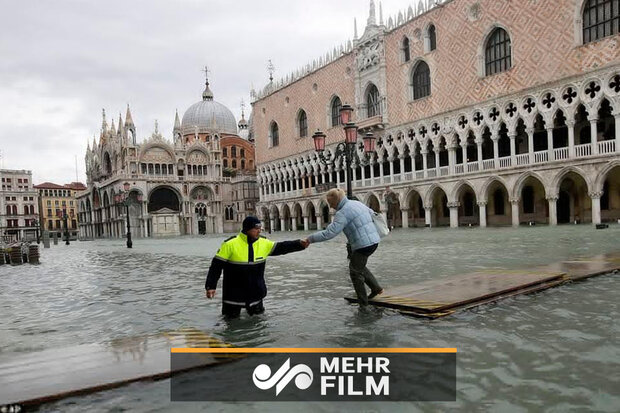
x: 64, y: 60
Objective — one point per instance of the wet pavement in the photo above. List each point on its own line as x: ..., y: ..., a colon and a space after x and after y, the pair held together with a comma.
x: 556, y: 350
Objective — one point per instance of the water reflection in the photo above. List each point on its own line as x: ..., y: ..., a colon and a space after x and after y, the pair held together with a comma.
x: 556, y: 347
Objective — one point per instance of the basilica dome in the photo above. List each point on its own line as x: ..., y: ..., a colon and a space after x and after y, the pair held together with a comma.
x: 208, y: 115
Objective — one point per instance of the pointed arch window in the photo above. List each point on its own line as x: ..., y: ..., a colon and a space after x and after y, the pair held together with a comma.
x: 406, y: 50
x: 421, y: 81
x: 274, y: 134
x: 373, y: 104
x: 432, y: 38
x: 302, y: 124
x: 335, y: 109
x: 498, y: 53
x: 601, y: 18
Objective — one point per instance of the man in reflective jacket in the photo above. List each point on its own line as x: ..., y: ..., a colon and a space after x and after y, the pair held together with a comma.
x: 243, y: 259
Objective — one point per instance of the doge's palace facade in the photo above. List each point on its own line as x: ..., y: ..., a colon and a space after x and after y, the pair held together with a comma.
x: 486, y: 112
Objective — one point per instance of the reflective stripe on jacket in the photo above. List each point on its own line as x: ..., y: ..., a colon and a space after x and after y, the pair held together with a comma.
x: 243, y: 264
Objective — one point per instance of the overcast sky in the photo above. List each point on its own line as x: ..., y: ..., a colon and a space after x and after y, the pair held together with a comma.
x: 64, y: 60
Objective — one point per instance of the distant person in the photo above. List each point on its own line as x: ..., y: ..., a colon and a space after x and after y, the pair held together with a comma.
x: 355, y: 220
x: 243, y: 259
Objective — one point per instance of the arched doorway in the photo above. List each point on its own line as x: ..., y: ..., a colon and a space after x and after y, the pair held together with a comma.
x: 610, y: 201
x: 573, y: 204
x: 534, y: 207
x: 373, y: 203
x: 164, y: 208
x: 498, y: 209
x: 440, y: 214
x: 415, y: 206
x: 468, y: 209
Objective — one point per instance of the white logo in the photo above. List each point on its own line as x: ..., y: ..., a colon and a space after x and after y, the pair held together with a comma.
x: 301, y: 373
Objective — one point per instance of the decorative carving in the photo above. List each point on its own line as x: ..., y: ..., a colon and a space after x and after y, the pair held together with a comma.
x: 370, y: 56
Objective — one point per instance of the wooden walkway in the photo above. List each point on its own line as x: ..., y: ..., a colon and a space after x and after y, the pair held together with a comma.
x: 41, y: 377
x: 442, y: 297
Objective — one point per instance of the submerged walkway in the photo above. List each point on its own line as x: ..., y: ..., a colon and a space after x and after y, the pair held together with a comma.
x: 36, y: 378
x: 439, y: 298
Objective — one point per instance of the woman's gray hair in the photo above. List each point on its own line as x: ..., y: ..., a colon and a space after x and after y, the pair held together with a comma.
x: 335, y: 194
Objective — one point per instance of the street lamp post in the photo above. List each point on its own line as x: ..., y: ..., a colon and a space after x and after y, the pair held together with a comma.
x: 64, y: 218
x: 36, y: 226
x: 124, y: 199
x: 346, y: 149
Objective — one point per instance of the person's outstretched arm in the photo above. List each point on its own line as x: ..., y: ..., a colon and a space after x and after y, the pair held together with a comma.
x: 333, y: 229
x: 286, y: 247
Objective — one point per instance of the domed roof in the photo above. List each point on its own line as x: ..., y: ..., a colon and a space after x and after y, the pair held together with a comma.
x: 208, y: 114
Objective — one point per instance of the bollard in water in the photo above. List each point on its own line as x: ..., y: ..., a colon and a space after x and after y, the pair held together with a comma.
x: 33, y: 254
x: 15, y: 255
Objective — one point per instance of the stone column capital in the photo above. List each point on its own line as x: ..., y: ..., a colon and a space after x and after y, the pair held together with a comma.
x: 482, y: 203
x: 515, y: 201
x: 596, y: 195
x: 454, y: 204
x: 552, y: 198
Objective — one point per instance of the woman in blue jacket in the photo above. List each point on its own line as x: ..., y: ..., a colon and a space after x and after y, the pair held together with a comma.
x: 355, y: 220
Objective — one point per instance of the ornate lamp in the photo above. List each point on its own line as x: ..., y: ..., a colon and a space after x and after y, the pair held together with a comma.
x: 346, y: 112
x: 369, y: 143
x: 319, y: 141
x: 350, y: 131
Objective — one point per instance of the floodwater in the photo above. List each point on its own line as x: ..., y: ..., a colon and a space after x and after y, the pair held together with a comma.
x: 557, y: 350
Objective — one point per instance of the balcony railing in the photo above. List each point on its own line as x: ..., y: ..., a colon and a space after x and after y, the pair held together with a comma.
x: 541, y: 156
x: 560, y: 154
x: 583, y: 150
x: 606, y: 147
x: 488, y: 164
x: 505, y: 162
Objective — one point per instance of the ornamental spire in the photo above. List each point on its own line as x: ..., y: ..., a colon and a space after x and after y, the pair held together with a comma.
x: 207, y: 94
x: 372, y: 20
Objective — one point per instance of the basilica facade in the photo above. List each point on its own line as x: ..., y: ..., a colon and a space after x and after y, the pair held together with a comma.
x: 485, y: 112
x: 167, y: 187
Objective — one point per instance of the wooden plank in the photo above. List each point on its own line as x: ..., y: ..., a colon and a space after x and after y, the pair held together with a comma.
x: 441, y: 297
x: 35, y: 378
x: 443, y: 294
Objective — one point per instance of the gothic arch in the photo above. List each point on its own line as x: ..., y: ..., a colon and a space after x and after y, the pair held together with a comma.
x: 456, y: 190
x: 518, y: 185
x: 602, y: 175
x: 482, y: 195
x: 428, y: 196
x: 557, y: 180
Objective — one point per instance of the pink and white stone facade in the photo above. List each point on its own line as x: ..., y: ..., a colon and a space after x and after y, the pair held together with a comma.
x: 475, y: 139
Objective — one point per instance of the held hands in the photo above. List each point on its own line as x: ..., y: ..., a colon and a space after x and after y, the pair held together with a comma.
x: 210, y: 293
x: 304, y: 243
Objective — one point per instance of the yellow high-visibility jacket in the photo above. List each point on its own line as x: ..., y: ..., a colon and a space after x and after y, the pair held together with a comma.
x: 243, y: 264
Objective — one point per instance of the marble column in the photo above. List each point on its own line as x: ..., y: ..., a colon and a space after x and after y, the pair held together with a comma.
x: 515, y: 212
x: 294, y: 223
x: 482, y: 206
x: 451, y: 159
x: 282, y: 224
x: 553, y: 212
x: 428, y: 218
x: 617, y: 117
x: 594, y: 133
x: 530, y: 143
x: 570, y: 124
x: 306, y: 223
x: 319, y: 222
x: 425, y: 162
x: 550, y: 144
x: 454, y: 214
x: 464, y: 150
x: 405, y: 217
x: 513, y: 148
x: 596, y: 207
